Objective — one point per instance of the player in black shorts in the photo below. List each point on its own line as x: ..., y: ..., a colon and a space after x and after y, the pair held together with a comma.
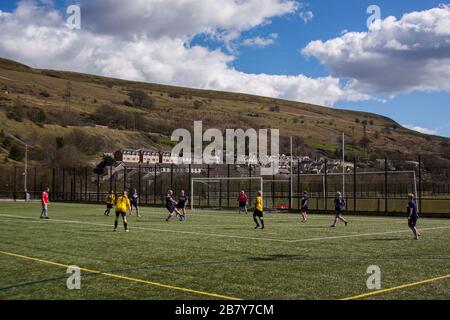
x: 339, y: 204
x: 182, y: 205
x: 304, y: 209
x: 413, y: 216
x: 171, y: 205
x: 135, y: 202
x: 258, y: 213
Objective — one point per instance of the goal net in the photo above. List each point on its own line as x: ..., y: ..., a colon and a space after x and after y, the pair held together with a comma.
x: 220, y: 193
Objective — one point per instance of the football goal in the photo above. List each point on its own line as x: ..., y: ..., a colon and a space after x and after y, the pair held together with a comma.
x: 223, y: 192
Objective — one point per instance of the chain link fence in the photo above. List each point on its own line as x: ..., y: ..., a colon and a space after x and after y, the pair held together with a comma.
x: 380, y: 188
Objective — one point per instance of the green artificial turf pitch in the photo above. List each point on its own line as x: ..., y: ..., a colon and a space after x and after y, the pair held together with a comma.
x: 216, y: 255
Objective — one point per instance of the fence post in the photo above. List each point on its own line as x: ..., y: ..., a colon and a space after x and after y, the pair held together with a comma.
x: 15, y: 184
x: 110, y: 179
x: 228, y: 186
x: 325, y: 186
x: 299, y: 186
x: 354, y: 184
x: 53, y: 184
x: 220, y: 195
x: 35, y: 180
x: 124, y: 178
x: 420, y: 184
x: 385, y: 184
x: 171, y: 176
x: 86, y: 184
x: 98, y: 187
x: 154, y: 186
x: 290, y: 192
x: 81, y: 184
x: 250, y: 182
x: 207, y: 187
x: 139, y: 180
x: 189, y: 178
x: 273, y: 191
x: 64, y: 184
x: 74, y: 184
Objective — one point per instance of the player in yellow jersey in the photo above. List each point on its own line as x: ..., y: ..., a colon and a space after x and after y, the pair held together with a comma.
x: 259, y: 211
x: 123, y: 205
x: 110, y: 200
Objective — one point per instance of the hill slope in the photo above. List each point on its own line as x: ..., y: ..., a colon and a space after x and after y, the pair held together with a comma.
x: 57, y: 112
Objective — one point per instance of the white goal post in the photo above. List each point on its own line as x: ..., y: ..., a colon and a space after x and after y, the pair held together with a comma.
x: 209, y: 181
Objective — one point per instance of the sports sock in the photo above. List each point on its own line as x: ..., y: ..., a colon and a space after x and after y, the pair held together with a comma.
x: 115, y: 224
x: 125, y: 225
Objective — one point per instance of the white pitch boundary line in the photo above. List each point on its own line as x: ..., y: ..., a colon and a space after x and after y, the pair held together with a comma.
x: 233, y: 236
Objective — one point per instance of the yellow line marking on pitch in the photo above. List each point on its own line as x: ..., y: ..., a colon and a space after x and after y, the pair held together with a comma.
x: 364, y: 295
x: 116, y: 276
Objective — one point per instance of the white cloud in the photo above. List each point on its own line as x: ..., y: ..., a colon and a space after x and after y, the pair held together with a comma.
x: 260, y: 41
x: 165, y: 59
x: 394, y: 56
x: 421, y: 129
x: 306, y: 16
x: 181, y: 18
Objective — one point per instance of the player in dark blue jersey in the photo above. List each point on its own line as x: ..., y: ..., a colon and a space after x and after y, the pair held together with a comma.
x: 135, y: 200
x: 339, y: 205
x: 171, y: 205
x: 304, y: 209
x: 182, y: 205
x: 413, y: 216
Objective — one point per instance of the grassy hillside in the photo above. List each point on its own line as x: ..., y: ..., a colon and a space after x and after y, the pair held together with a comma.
x: 34, y: 107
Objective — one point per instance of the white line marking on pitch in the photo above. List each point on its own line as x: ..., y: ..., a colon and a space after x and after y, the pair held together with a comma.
x: 232, y: 236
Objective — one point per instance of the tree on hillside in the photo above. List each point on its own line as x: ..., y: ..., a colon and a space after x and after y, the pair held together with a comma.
x: 16, y: 153
x: 140, y: 99
x: 106, y: 162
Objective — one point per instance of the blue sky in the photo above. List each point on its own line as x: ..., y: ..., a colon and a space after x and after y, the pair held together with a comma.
x: 424, y: 109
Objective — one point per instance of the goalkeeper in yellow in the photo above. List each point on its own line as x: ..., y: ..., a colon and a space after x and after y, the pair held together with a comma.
x: 258, y: 213
x: 123, y: 205
x: 110, y: 200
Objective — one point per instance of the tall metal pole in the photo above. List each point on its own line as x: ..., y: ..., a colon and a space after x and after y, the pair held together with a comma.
x: 291, y: 189
x: 26, y: 172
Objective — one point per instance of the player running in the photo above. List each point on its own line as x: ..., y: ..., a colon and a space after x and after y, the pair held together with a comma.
x: 110, y: 200
x: 182, y: 205
x: 44, y: 203
x: 135, y: 202
x: 259, y: 211
x: 171, y: 205
x: 304, y: 209
x: 339, y: 204
x: 413, y: 216
x: 122, y: 206
x: 243, y: 202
